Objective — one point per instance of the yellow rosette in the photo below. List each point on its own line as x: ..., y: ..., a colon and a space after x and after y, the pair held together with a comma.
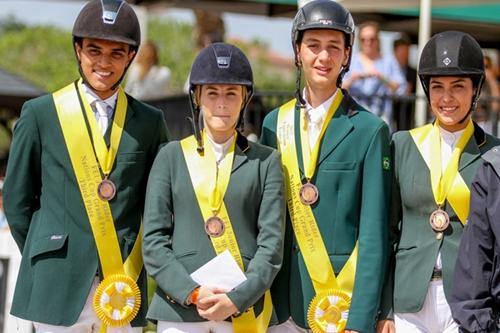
x: 328, y: 311
x: 117, y: 300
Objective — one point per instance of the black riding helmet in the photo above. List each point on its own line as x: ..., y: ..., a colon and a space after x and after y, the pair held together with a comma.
x: 112, y: 20
x: 452, y: 53
x: 322, y: 14
x: 219, y: 63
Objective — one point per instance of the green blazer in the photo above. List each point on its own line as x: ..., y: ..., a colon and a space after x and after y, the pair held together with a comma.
x: 175, y: 243
x: 47, y: 217
x: 413, y: 240
x: 353, y: 179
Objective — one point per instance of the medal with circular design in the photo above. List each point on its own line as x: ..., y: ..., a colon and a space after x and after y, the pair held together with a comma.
x: 214, y: 227
x: 328, y: 312
x: 308, y: 194
x: 439, y: 220
x: 106, y: 189
x: 117, y: 300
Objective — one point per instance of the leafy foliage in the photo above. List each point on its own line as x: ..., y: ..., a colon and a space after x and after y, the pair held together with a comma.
x: 44, y: 54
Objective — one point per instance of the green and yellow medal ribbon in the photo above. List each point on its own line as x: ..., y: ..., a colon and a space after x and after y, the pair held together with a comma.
x: 310, y: 158
x: 450, y: 184
x: 210, y: 183
x: 117, y: 299
x: 329, y: 309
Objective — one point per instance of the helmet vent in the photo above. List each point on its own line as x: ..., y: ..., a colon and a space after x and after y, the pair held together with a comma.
x: 223, y: 62
x: 110, y: 9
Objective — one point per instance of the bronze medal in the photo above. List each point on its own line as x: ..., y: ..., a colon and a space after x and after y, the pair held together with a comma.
x: 106, y: 189
x: 439, y: 220
x: 308, y: 194
x: 214, y: 227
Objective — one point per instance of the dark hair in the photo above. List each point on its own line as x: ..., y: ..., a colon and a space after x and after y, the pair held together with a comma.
x: 403, y: 39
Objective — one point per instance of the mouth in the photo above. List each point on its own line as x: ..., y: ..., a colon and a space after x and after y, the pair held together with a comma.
x: 103, y: 74
x: 448, y: 109
x: 322, y: 70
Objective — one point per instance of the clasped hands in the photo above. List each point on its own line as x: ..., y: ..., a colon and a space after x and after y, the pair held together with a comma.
x: 214, y: 304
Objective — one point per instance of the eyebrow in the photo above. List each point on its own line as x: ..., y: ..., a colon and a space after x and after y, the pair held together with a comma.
x: 116, y: 49
x: 460, y: 80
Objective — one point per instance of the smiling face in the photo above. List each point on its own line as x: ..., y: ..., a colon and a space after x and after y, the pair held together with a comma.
x: 322, y: 53
x: 103, y: 63
x: 451, y: 100
x: 221, y: 105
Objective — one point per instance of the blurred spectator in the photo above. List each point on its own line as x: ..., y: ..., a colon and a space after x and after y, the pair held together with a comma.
x: 3, y: 219
x: 488, y: 106
x: 146, y: 79
x: 404, y: 109
x: 374, y: 78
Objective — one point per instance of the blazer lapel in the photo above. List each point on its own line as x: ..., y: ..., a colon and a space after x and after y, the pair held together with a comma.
x: 471, y: 151
x: 240, y: 150
x: 338, y: 128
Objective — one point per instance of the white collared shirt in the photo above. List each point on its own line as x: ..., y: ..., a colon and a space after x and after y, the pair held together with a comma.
x: 220, y: 149
x: 110, y: 101
x: 316, y: 117
x: 448, y: 143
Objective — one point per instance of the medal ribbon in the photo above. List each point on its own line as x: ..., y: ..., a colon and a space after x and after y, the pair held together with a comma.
x: 450, y: 184
x: 304, y: 224
x: 210, y: 186
x: 88, y: 176
x: 310, y: 158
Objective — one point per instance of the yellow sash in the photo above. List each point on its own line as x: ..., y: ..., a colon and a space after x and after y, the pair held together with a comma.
x: 119, y: 299
x: 323, y: 310
x: 450, y: 185
x: 210, y: 184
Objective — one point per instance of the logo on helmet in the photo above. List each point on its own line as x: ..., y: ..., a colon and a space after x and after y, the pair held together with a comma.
x: 109, y: 17
x: 223, y: 62
x: 325, y: 22
x: 446, y: 61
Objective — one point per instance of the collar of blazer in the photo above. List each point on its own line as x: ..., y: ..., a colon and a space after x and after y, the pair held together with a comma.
x: 472, y: 150
x: 242, y: 146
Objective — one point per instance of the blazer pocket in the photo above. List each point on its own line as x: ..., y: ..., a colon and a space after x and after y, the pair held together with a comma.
x: 338, y: 166
x: 47, y: 244
x: 131, y: 157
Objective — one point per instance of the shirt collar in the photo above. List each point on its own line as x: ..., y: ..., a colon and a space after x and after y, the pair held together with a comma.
x: 318, y: 114
x: 92, y: 97
x: 450, y: 138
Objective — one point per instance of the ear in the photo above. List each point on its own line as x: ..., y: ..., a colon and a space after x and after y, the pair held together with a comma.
x: 346, y: 56
x: 78, y: 50
x: 131, y: 55
x: 297, y: 57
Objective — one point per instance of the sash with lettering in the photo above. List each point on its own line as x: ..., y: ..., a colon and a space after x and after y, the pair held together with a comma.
x: 329, y: 309
x: 210, y: 183
x: 117, y: 299
x: 449, y: 185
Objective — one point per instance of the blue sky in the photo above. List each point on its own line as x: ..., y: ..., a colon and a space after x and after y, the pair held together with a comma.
x: 63, y: 13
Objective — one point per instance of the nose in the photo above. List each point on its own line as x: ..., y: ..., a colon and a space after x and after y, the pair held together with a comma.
x: 323, y: 55
x: 105, y: 60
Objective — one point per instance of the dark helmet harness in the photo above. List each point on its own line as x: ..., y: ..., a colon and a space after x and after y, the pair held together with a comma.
x: 112, y: 20
x: 321, y: 14
x: 218, y: 63
x: 452, y: 53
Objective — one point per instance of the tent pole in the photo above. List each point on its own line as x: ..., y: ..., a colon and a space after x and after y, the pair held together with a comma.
x: 424, y: 33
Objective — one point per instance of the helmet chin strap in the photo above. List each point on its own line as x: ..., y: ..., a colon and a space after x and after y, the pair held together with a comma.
x: 475, y: 99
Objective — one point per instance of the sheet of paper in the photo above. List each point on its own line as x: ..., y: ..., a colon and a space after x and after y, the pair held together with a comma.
x: 222, y: 272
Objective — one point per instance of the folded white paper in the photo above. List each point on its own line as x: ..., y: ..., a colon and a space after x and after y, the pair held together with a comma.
x: 221, y: 272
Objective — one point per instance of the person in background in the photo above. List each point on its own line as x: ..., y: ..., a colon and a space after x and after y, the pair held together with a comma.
x: 374, y: 78
x: 335, y: 155
x: 488, y: 106
x: 75, y: 186
x: 404, y: 109
x: 434, y: 166
x: 147, y: 80
x: 213, y: 192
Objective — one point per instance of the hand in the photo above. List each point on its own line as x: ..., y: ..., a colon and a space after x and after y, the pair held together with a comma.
x: 386, y: 326
x: 216, y: 307
x: 206, y: 291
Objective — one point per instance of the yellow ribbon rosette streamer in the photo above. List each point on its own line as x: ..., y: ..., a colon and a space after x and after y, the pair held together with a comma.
x: 210, y: 183
x: 117, y: 299
x: 329, y: 309
x: 450, y: 184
